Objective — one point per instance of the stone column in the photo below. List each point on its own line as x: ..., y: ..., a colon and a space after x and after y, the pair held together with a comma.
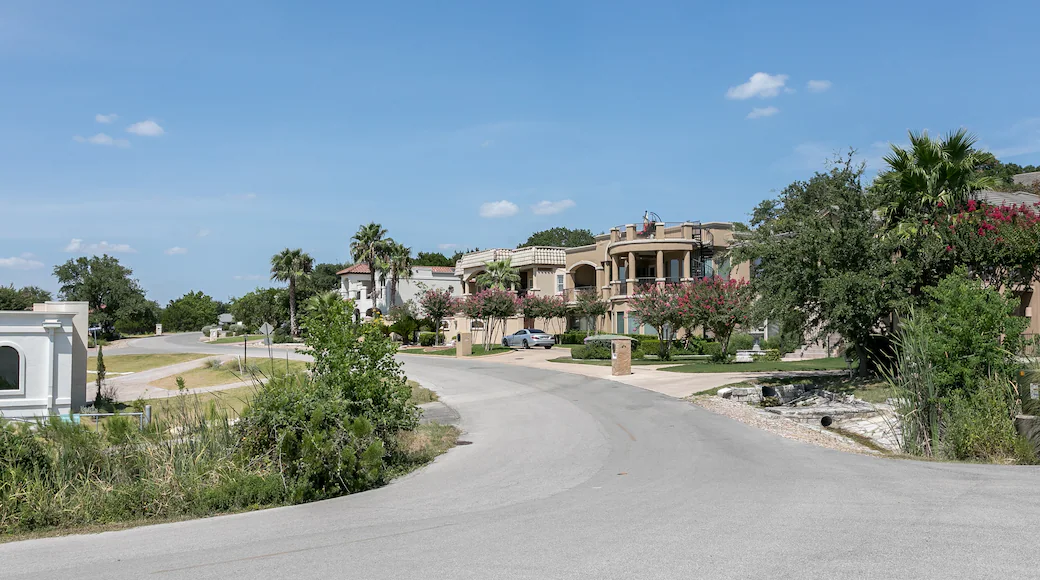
x: 685, y: 265
x: 660, y: 267
x: 630, y: 274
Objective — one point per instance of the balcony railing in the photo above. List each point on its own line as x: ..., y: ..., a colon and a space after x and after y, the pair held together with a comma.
x: 571, y: 294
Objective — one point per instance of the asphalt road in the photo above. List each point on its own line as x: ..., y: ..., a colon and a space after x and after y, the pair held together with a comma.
x: 572, y: 477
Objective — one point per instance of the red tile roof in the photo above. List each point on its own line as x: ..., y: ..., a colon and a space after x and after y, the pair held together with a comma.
x: 442, y: 269
x: 360, y: 268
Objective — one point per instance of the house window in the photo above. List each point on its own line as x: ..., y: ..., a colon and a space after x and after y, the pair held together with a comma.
x: 10, y: 369
x: 621, y: 323
x: 476, y: 325
x: 559, y: 283
x: 444, y: 325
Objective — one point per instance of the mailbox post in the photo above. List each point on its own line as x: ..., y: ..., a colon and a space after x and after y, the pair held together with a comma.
x: 464, y: 345
x: 621, y: 356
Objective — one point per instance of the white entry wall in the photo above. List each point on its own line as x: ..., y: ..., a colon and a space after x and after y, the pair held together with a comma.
x: 37, y: 354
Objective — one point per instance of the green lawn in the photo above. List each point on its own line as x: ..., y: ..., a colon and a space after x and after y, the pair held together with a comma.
x: 133, y: 363
x: 235, y: 339
x: 227, y: 373
x: 603, y: 363
x: 822, y: 364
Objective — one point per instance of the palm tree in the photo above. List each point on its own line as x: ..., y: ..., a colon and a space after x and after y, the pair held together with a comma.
x: 930, y: 175
x: 397, y: 264
x: 324, y: 302
x: 499, y: 274
x: 369, y: 246
x: 291, y: 266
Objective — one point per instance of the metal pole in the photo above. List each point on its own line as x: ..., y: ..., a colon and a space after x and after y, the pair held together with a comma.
x: 147, y: 417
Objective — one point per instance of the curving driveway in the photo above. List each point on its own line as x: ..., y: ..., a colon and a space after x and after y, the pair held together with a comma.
x: 574, y: 477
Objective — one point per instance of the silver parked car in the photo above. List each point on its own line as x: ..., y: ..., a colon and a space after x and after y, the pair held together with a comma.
x: 529, y: 337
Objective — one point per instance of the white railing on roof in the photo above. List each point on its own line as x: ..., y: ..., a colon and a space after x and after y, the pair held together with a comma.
x: 531, y: 256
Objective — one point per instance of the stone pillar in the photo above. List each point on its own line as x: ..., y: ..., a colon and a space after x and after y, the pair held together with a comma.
x: 660, y: 267
x: 614, y: 268
x: 620, y: 357
x: 464, y: 346
x: 630, y: 274
x: 685, y: 265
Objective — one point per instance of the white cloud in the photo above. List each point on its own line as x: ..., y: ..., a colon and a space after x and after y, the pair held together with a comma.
x: 106, y: 119
x: 552, y: 207
x: 758, y: 112
x: 203, y: 233
x: 76, y: 245
x: 818, y: 86
x: 17, y: 263
x: 251, y: 277
x: 176, y: 250
x: 447, y: 246
x: 147, y: 128
x: 761, y: 85
x: 497, y: 209
x: 102, y: 139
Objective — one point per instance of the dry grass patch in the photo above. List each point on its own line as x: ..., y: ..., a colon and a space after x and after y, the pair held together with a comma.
x: 217, y: 373
x: 135, y: 363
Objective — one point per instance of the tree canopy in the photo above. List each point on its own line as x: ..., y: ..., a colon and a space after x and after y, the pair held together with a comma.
x: 560, y: 237
x: 819, y: 263
x: 12, y: 298
x: 263, y: 305
x: 106, y: 285
x: 436, y: 259
x: 190, y: 312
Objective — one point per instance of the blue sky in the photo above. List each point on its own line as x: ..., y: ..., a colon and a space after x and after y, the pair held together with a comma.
x: 195, y: 139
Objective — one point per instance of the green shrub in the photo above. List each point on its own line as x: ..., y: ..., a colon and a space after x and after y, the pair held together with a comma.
x: 308, y: 431
x: 740, y: 342
x: 714, y: 350
x: 573, y: 337
x: 22, y: 454
x: 430, y: 338
x: 769, y: 354
x: 638, y: 354
x: 594, y: 351
x: 978, y: 425
x: 208, y: 328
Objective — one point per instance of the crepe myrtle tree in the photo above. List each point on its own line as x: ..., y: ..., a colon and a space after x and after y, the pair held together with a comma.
x: 660, y: 306
x: 491, y: 306
x: 721, y: 304
x: 438, y: 304
x: 589, y: 306
x: 551, y: 309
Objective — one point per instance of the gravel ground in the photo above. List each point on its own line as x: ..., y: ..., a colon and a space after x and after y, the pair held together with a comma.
x: 778, y: 425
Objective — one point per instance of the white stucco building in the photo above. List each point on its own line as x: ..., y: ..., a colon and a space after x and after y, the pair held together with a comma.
x: 355, y: 284
x: 43, y: 360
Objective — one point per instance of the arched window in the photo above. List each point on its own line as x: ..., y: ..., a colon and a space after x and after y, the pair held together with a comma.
x: 10, y: 369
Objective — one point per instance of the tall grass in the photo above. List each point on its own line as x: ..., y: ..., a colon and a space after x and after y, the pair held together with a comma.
x: 976, y: 423
x: 912, y: 378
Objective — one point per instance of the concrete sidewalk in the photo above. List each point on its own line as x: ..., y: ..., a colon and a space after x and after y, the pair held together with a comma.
x: 677, y: 385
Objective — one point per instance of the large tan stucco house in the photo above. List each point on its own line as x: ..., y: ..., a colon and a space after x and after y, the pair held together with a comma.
x: 542, y: 272
x: 654, y: 252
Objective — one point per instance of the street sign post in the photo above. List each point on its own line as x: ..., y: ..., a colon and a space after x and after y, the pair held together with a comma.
x: 266, y: 330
